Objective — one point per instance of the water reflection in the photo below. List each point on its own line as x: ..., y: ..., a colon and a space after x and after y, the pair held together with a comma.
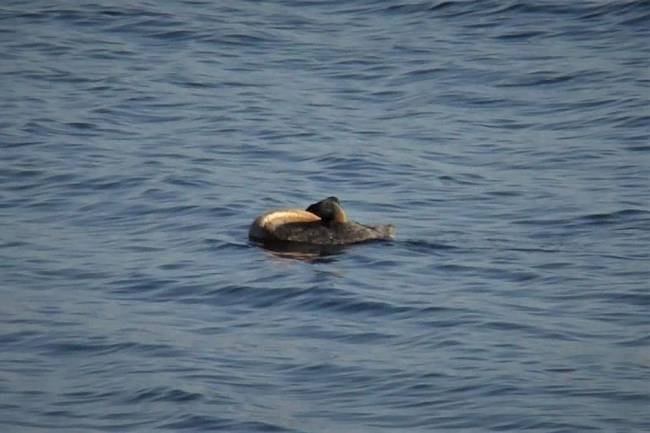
x: 301, y: 251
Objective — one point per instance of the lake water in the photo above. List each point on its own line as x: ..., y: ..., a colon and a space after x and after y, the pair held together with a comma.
x: 508, y: 141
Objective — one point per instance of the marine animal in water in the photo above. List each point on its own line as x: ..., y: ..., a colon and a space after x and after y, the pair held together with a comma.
x: 322, y: 223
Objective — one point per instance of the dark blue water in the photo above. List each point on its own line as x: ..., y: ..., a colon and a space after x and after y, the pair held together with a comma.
x: 509, y: 142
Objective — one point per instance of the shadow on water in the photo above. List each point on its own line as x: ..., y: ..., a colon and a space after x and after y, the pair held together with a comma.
x: 301, y: 251
x: 330, y: 253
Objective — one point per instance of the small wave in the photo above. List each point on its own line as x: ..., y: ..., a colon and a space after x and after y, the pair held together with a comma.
x: 163, y: 394
x: 462, y: 179
x: 259, y: 39
x: 63, y: 348
x: 635, y: 342
x: 443, y: 8
x: 425, y: 247
x: 640, y: 148
x: 502, y: 273
x: 538, y: 79
x: 454, y: 9
x: 524, y: 35
x: 174, y: 35
x: 624, y: 215
x: 349, y: 304
x: 338, y: 162
x: 606, y: 218
x: 312, y: 299
x: 191, y: 422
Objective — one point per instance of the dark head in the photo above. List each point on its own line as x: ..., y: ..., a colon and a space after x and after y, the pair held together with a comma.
x: 329, y: 210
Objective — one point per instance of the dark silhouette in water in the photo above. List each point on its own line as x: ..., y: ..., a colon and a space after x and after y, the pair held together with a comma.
x: 323, y: 223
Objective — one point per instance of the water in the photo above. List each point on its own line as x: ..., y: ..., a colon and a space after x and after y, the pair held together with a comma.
x: 507, y: 141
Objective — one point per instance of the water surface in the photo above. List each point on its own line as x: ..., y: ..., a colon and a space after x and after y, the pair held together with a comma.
x: 507, y: 141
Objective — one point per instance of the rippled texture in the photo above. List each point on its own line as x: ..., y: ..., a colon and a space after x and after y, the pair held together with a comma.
x: 507, y: 141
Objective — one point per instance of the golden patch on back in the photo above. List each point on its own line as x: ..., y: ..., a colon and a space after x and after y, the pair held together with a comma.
x: 267, y: 223
x: 275, y: 218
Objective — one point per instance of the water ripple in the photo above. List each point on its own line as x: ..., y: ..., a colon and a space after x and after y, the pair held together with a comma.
x: 506, y: 141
